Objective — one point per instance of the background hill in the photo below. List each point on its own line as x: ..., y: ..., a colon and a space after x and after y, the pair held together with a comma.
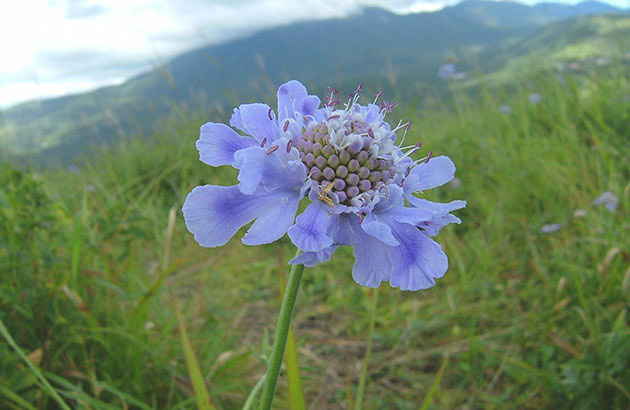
x: 375, y: 46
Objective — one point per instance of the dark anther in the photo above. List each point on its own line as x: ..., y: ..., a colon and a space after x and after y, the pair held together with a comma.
x: 408, y: 124
x: 271, y: 149
x: 332, y: 90
x: 428, y: 157
x: 361, y: 217
x: 286, y: 125
x: 289, y: 145
x: 263, y: 142
x: 270, y: 114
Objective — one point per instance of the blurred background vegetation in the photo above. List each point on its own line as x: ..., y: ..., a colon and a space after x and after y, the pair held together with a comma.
x: 95, y: 259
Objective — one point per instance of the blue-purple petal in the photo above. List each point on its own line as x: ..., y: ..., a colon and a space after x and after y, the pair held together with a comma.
x: 372, y: 262
x: 294, y: 101
x: 251, y: 164
x: 438, y: 171
x: 311, y: 259
x: 378, y: 229
x: 310, y: 104
x: 254, y: 120
x: 213, y: 214
x: 217, y: 144
x: 418, y: 260
x: 278, y: 216
x: 276, y: 171
x: 310, y: 232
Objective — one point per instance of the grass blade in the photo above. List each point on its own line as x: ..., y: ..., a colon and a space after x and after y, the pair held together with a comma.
x: 436, y: 383
x: 251, y: 399
x: 11, y: 395
x: 199, y: 385
x: 296, y: 396
x: 49, y: 389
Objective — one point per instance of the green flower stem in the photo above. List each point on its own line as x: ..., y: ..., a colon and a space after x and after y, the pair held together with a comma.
x: 280, y: 337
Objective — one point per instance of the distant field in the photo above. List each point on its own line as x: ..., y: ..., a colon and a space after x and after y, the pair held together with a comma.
x: 531, y: 314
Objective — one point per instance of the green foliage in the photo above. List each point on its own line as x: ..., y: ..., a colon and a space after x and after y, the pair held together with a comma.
x: 527, y: 320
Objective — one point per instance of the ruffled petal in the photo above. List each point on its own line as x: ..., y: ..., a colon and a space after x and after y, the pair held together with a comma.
x: 254, y: 120
x: 213, y: 214
x: 278, y: 171
x: 439, y: 218
x: 418, y: 260
x: 278, y: 216
x: 372, y: 262
x: 438, y: 208
x: 373, y: 226
x: 251, y: 163
x: 432, y: 227
x: 236, y: 122
x: 217, y: 144
x: 311, y: 259
x: 290, y: 97
x: 412, y: 216
x: 438, y: 171
x: 310, y: 104
x: 372, y: 113
x: 310, y: 232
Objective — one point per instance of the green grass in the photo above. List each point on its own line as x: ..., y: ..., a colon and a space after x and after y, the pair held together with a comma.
x: 526, y: 320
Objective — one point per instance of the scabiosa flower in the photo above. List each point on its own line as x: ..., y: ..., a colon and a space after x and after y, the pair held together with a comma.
x: 346, y: 161
x: 535, y: 98
x: 609, y: 199
x: 505, y: 109
x: 447, y: 71
x: 550, y: 228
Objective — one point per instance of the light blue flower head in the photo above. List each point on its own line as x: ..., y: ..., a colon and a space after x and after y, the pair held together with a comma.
x: 360, y: 184
x: 447, y: 71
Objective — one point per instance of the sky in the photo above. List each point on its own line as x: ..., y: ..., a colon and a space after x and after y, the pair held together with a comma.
x: 55, y: 47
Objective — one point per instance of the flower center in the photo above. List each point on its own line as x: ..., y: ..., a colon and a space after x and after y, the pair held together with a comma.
x: 344, y: 151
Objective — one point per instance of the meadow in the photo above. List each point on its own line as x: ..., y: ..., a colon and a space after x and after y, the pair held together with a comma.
x: 533, y: 313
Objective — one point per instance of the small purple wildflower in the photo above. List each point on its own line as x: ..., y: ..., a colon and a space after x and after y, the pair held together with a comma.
x: 550, y: 228
x: 535, y: 98
x: 346, y: 162
x: 505, y: 109
x: 447, y: 72
x: 609, y: 199
x: 73, y: 169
